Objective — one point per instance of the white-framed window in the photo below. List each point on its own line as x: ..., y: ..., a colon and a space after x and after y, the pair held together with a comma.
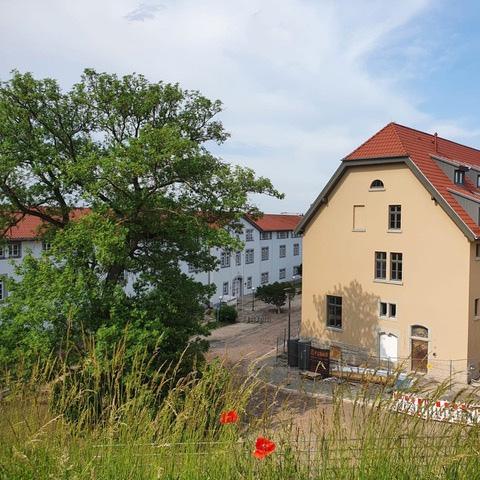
x: 459, y: 177
x: 249, y: 235
x: 265, y: 235
x: 283, y: 251
x: 296, y: 249
x: 380, y: 265
x: 2, y: 290
x: 394, y: 217
x: 249, y: 255
x: 282, y: 273
x: 296, y: 235
x: 296, y: 270
x: 396, y: 266
x: 2, y: 252
x: 192, y: 269
x: 281, y: 235
x: 238, y: 259
x: 264, y: 278
x: 15, y: 249
x: 387, y: 310
x: 225, y: 259
x: 225, y: 288
x: 46, y: 246
x: 477, y: 250
x: 334, y: 311
x: 265, y: 253
x: 249, y: 283
x: 377, y: 185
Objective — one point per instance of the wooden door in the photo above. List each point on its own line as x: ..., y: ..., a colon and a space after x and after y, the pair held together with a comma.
x: 419, y: 355
x: 237, y: 287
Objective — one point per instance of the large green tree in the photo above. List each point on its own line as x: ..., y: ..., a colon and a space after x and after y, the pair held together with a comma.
x: 136, y: 153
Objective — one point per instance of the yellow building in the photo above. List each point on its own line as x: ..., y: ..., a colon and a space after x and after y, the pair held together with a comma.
x: 391, y: 255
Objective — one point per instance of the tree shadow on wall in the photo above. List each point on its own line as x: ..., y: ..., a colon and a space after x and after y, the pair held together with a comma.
x: 360, y: 322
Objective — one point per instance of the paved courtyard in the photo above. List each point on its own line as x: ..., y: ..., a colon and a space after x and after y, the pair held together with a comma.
x: 251, y: 341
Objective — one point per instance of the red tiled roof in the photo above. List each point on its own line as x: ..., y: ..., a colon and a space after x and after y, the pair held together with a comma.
x: 271, y: 222
x: 396, y: 140
x: 28, y: 228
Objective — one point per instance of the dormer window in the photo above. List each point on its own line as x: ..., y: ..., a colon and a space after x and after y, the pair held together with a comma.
x: 377, y: 185
x: 459, y: 177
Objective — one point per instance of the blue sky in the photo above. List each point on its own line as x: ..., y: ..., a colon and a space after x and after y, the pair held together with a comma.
x: 303, y: 81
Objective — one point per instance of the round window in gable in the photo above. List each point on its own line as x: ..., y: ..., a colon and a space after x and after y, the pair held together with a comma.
x: 377, y: 185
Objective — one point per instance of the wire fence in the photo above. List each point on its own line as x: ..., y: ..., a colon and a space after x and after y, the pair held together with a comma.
x: 357, y: 361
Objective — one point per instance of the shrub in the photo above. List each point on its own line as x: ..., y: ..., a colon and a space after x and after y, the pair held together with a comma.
x: 227, y: 314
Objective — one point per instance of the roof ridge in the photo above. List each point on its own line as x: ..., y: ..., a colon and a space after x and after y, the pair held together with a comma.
x: 395, y: 125
x: 432, y: 135
x: 391, y: 124
x: 283, y: 214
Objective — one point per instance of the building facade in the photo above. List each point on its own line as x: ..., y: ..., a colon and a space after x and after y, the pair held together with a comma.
x: 392, y: 256
x: 272, y: 253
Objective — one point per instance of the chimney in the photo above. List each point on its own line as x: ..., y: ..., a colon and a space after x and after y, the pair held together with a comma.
x: 435, y: 141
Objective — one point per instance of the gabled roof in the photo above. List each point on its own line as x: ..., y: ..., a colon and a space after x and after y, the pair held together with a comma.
x: 29, y: 226
x: 272, y: 222
x: 421, y: 152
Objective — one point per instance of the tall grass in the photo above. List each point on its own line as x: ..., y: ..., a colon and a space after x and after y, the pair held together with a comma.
x: 100, y: 422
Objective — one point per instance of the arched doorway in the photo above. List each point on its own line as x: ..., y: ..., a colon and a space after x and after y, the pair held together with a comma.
x: 388, y: 347
x: 237, y: 287
x: 419, y: 348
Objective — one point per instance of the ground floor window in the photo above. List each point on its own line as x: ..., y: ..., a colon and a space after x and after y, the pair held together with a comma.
x: 388, y: 310
x: 225, y: 288
x: 264, y: 278
x: 282, y: 273
x: 334, y: 311
x: 249, y: 282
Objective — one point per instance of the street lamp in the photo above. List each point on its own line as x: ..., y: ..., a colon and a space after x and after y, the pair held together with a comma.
x: 289, y: 293
x: 289, y: 314
x: 220, y: 299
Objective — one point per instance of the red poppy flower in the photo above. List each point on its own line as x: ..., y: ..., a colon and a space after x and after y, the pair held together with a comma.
x: 263, y: 447
x: 229, y: 417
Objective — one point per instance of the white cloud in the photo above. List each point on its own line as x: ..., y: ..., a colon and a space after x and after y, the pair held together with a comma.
x: 144, y: 11
x: 294, y: 75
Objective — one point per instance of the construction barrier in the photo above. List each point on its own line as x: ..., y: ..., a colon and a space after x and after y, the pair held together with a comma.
x: 438, y: 410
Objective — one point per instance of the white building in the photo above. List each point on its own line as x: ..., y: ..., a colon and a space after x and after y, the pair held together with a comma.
x: 271, y: 253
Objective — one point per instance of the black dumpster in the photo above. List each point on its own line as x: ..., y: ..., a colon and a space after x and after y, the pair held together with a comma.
x: 303, y: 355
x: 292, y: 350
